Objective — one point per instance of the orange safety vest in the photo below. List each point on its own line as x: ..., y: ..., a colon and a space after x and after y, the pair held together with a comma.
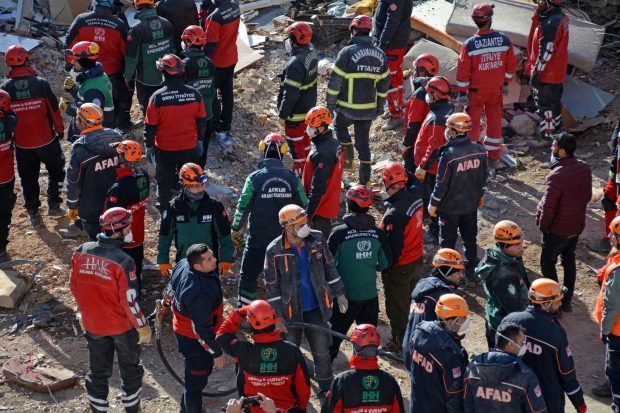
x: 612, y: 263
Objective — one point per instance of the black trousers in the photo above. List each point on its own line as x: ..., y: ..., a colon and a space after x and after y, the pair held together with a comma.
x: 206, y: 138
x: 29, y: 168
x: 121, y: 95
x: 223, y: 105
x: 360, y: 312
x: 7, y: 203
x: 144, y: 93
x: 548, y: 99
x: 467, y: 225
x: 427, y: 189
x: 322, y: 224
x: 251, y: 267
x: 198, y: 367
x: 362, y: 136
x: 612, y: 369
x: 167, y: 165
x: 554, y: 246
x: 101, y: 351
x: 137, y: 253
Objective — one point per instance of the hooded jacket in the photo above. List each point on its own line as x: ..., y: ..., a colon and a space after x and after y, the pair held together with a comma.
x: 499, y: 382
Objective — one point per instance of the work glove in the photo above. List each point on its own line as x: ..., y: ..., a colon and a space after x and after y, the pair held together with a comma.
x: 164, y: 269
x: 281, y: 325
x: 63, y: 105
x: 220, y: 361
x: 225, y: 267
x: 69, y: 83
x: 150, y: 155
x: 583, y: 408
x: 420, y: 173
x: 237, y: 238
x: 505, y: 89
x: 343, y: 303
x: 432, y: 210
x: 243, y: 311
x: 145, y: 334
x: 481, y: 203
x: 73, y: 214
x: 462, y: 101
x: 282, y: 123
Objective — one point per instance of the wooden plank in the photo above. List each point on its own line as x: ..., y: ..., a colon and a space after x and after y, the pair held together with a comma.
x: 439, y: 35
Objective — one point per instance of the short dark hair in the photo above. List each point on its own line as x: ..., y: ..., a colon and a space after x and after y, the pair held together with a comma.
x: 568, y: 142
x: 509, y: 331
x: 194, y: 252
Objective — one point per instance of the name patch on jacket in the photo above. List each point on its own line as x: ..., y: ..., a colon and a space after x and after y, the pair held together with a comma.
x: 106, y: 163
x: 203, y: 219
x: 268, y: 363
x: 467, y: 165
x: 489, y: 393
x: 364, y: 250
x: 371, y: 389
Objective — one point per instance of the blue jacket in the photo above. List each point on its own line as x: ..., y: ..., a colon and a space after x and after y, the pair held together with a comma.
x: 392, y: 25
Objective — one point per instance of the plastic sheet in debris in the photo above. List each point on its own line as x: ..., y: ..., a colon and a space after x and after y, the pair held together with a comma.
x: 7, y: 40
x: 583, y: 99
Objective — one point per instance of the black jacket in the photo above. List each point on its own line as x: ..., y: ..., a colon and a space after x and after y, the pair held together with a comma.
x: 392, y: 25
x: 549, y: 355
x: 499, y: 382
x: 180, y: 13
x: 298, y: 82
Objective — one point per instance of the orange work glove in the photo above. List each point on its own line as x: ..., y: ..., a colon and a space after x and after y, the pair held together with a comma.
x: 225, y: 267
x: 73, y: 214
x: 481, y: 203
x: 164, y: 269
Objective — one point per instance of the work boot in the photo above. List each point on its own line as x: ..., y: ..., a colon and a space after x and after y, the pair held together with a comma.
x: 601, y: 245
x: 364, y: 173
x: 349, y: 154
x: 567, y: 306
x: 35, y: 217
x: 392, y: 124
x: 4, y: 256
x: 54, y: 210
x: 224, y: 142
x: 602, y: 390
x: 70, y: 232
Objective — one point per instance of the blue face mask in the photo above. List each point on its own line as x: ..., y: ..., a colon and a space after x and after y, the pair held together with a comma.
x: 193, y: 197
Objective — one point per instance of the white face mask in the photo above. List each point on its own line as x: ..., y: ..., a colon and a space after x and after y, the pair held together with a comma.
x: 128, y: 239
x: 311, y: 132
x: 428, y: 99
x: 446, y: 135
x: 464, y: 326
x: 74, y: 74
x: 303, y: 232
x: 288, y: 45
x: 522, y: 350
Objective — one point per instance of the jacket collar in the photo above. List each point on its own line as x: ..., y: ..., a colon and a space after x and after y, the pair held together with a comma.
x: 269, y: 337
x: 569, y: 160
x: 270, y: 163
x: 300, y: 49
x: 397, y: 196
x: 439, y: 104
x: 174, y: 81
x: 360, y: 40
x: 103, y: 9
x: 482, y: 32
x: 106, y: 242
x: 22, y: 71
x: 363, y: 363
x: 309, y: 241
x: 323, y: 137
x: 211, y: 274
x: 145, y: 12
x: 84, y: 132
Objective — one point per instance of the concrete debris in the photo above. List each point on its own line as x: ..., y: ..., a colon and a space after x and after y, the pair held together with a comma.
x: 448, y: 59
x: 13, y: 287
x: 325, y: 66
x: 523, y: 125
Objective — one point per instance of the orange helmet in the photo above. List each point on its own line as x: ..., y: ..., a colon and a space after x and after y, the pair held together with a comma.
x: 360, y: 195
x: 114, y: 219
x: 192, y: 174
x: 83, y: 50
x: 260, y: 314
x: 273, y: 139
x: 447, y: 257
x: 451, y: 305
x: 291, y: 214
x: 300, y: 32
x: 482, y: 12
x: 615, y: 225
x: 394, y: 173
x: 131, y: 150
x: 546, y: 290
x: 361, y: 22
x: 460, y: 122
x: 138, y: 3
x: 439, y: 86
x: 90, y: 113
x: 171, y: 64
x: 194, y: 35
x: 507, y: 232
x: 366, y: 335
x: 318, y: 116
x: 15, y: 55
x: 5, y: 101
x: 428, y: 62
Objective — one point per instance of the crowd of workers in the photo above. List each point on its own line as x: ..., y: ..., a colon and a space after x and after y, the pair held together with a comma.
x: 180, y: 62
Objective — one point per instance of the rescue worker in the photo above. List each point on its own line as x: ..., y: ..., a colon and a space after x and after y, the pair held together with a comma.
x: 37, y: 134
x: 150, y: 38
x: 402, y: 223
x: 266, y: 190
x: 607, y: 315
x: 199, y: 74
x: 360, y: 250
x: 365, y: 387
x: 131, y: 191
x: 106, y: 29
x: 181, y: 14
x: 297, y: 95
x: 91, y: 171
x: 438, y: 360
x: 462, y: 179
x: 430, y: 138
x: 193, y: 217
x: 499, y: 381
x: 391, y: 33
x: 547, y: 61
x: 221, y: 25
x: 425, y: 66
x: 444, y: 279
x: 87, y: 83
x: 8, y: 122
x: 174, y: 127
x: 357, y: 100
x: 302, y: 281
x: 103, y: 281
x: 269, y: 365
x: 486, y: 66
x: 197, y: 311
x: 503, y: 276
x: 322, y: 172
x: 548, y: 352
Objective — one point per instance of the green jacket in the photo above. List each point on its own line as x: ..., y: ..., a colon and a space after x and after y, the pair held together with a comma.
x: 100, y: 84
x: 505, y: 285
x: 187, y: 223
x: 200, y: 74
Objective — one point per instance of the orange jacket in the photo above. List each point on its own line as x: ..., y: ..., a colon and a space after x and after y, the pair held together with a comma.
x: 613, y: 262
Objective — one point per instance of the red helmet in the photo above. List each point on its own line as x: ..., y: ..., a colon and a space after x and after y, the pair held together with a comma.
x: 15, y: 55
x: 194, y: 35
x: 482, y: 12
x: 114, y: 219
x: 83, y: 50
x: 393, y: 173
x: 439, y: 86
x: 260, y: 314
x: 428, y: 62
x: 361, y: 22
x: 301, y: 32
x: 366, y: 335
x: 171, y: 64
x: 360, y: 195
x: 5, y: 101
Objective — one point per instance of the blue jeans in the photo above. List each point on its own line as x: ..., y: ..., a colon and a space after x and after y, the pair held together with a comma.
x: 198, y: 367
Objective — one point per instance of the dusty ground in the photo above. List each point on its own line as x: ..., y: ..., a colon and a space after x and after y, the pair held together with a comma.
x: 58, y: 345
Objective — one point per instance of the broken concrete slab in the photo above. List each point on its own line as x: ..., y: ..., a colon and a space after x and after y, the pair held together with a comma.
x: 13, y: 287
x: 433, y: 12
x: 523, y: 125
x: 583, y: 99
x: 448, y: 59
x: 247, y: 55
x: 514, y: 18
x: 24, y: 370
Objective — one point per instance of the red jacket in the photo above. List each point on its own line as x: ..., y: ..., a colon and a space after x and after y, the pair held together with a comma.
x: 222, y: 27
x: 547, y: 46
x: 35, y: 105
x: 431, y: 136
x: 487, y: 61
x: 416, y: 112
x: 7, y: 142
x: 402, y: 223
x: 562, y: 209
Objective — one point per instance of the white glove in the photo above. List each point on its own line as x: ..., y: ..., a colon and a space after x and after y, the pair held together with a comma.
x: 343, y: 303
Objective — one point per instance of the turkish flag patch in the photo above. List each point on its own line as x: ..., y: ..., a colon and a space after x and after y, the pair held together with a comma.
x: 132, y: 276
x: 456, y: 372
x: 537, y: 391
x: 320, y: 165
x: 393, y: 6
x: 113, y: 199
x: 569, y: 352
